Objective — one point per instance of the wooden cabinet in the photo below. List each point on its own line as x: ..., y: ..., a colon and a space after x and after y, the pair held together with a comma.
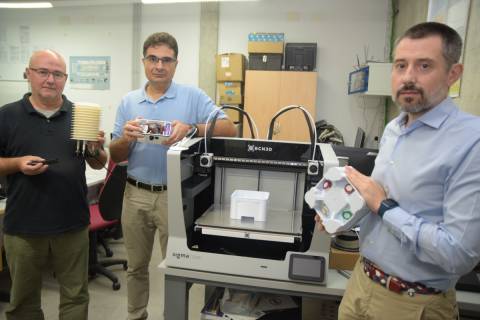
x: 266, y: 92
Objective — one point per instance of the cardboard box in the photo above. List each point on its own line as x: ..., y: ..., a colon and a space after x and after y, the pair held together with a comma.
x: 265, y: 42
x: 235, y: 116
x: 230, y: 92
x: 265, y: 61
x: 231, y: 67
x: 342, y: 260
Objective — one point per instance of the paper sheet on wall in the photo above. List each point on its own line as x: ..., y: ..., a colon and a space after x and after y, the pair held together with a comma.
x: 90, y: 72
x: 15, y: 51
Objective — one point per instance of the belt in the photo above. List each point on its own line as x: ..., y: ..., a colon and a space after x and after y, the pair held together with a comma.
x: 393, y: 283
x: 146, y: 186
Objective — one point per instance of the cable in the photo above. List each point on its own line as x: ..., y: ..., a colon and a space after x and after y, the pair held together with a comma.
x: 209, y: 129
x: 187, y: 137
x: 251, y: 123
x: 308, y: 118
x: 206, y: 126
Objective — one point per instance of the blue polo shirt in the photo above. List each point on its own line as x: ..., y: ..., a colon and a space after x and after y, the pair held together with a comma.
x: 148, y: 162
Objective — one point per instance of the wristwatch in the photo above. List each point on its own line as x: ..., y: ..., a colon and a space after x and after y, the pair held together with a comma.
x: 386, y: 204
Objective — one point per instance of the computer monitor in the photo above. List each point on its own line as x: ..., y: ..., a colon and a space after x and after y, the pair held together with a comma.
x: 359, y: 138
x: 362, y: 159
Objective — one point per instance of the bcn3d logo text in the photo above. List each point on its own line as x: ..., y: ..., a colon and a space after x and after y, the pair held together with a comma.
x: 254, y: 148
x: 181, y: 255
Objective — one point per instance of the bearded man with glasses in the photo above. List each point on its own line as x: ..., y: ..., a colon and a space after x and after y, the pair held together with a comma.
x: 47, y: 215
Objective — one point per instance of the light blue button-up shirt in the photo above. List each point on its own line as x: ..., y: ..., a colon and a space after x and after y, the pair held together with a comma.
x: 432, y: 169
x: 148, y: 162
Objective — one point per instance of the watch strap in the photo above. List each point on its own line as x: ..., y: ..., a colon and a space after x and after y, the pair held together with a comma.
x: 386, y: 205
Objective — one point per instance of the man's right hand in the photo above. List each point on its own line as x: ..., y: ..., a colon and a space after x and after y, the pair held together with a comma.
x: 31, y: 165
x: 319, y: 223
x: 132, y: 131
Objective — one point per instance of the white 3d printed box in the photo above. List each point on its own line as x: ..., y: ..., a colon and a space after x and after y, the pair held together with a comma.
x: 336, y: 201
x: 250, y: 204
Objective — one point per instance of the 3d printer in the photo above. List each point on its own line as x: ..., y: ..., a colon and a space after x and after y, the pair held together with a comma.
x: 202, y: 177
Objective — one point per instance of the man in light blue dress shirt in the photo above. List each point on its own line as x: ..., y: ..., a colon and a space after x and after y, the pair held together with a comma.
x: 424, y: 193
x: 145, y: 200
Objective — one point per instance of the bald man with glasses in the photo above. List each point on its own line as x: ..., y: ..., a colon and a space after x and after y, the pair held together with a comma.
x: 47, y: 215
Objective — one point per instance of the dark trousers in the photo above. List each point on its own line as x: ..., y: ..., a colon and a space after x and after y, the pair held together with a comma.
x: 27, y: 257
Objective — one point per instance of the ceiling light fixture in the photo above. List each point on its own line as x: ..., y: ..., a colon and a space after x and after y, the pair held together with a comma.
x: 25, y: 5
x: 185, y: 1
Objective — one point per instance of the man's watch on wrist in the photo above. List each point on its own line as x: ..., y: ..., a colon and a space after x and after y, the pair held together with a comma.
x: 386, y: 205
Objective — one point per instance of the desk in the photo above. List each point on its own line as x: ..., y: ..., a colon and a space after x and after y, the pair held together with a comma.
x: 95, y: 178
x: 177, y: 283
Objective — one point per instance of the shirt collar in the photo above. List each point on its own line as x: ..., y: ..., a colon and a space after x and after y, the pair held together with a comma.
x: 170, y: 94
x: 30, y: 109
x: 433, y: 118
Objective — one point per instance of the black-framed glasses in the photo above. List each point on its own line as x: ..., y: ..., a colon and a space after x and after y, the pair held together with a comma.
x: 154, y: 59
x: 45, y: 73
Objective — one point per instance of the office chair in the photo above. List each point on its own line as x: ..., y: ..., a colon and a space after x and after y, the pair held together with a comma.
x: 104, y: 215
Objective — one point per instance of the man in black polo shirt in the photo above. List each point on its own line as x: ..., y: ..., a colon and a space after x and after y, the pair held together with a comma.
x: 47, y: 215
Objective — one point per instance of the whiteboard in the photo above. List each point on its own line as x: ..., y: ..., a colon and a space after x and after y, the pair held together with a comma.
x: 16, y: 47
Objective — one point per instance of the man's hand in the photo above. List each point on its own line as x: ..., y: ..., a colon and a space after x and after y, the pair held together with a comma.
x: 132, y: 130
x: 31, y: 165
x: 319, y: 222
x: 94, y: 147
x: 371, y: 191
x: 119, y: 148
x: 179, y: 131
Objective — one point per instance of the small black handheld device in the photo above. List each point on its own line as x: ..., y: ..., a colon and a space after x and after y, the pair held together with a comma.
x: 48, y: 161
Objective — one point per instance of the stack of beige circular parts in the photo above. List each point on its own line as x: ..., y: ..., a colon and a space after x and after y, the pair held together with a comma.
x: 86, y: 121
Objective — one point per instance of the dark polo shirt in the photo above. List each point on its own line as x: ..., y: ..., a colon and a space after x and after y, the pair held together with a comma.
x: 56, y: 200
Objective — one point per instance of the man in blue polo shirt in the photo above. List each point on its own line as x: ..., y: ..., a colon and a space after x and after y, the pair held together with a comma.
x: 424, y: 193
x: 145, y: 201
x: 47, y: 214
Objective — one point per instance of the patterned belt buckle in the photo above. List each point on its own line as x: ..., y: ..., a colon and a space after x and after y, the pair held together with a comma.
x: 393, y: 284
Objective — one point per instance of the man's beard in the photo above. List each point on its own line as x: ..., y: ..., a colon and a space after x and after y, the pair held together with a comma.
x: 423, y: 104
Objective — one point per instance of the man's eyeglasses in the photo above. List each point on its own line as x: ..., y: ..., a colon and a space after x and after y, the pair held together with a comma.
x: 154, y: 59
x: 45, y: 73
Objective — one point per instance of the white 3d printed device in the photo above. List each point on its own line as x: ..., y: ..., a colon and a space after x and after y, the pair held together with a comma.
x: 85, y: 124
x: 249, y: 204
x: 154, y: 131
x: 336, y: 201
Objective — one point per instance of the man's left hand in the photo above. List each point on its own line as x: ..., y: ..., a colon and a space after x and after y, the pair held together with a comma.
x: 94, y: 147
x: 371, y: 191
x: 179, y: 131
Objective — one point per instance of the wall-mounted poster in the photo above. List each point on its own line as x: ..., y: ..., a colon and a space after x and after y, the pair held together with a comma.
x: 90, y: 72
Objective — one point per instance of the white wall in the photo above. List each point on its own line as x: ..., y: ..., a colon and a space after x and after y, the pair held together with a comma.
x: 183, y: 22
x: 341, y: 29
x: 79, y: 31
